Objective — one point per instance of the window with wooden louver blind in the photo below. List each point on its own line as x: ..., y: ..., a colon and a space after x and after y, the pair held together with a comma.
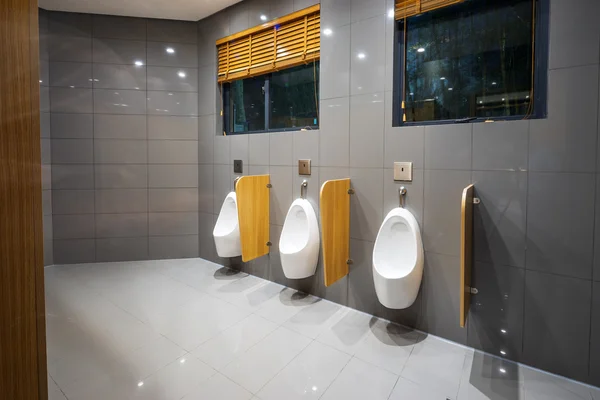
x: 408, y: 8
x: 282, y: 43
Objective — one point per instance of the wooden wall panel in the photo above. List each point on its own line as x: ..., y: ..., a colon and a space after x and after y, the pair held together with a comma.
x: 253, y: 198
x: 22, y: 311
x: 335, y: 227
x: 466, y: 252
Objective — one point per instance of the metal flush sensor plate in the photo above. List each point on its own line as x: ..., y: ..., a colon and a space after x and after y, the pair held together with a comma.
x: 304, y: 167
x: 403, y: 171
x: 237, y: 167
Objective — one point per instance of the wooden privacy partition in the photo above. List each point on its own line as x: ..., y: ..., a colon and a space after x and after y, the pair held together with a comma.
x: 252, y: 194
x: 335, y: 226
x: 466, y: 252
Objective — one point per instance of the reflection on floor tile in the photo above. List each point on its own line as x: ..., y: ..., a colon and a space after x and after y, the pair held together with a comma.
x: 192, y: 329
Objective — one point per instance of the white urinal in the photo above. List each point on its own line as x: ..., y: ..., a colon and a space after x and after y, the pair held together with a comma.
x: 299, y: 242
x: 227, y: 229
x: 398, y: 260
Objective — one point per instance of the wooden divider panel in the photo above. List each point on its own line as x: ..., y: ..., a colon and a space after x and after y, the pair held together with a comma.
x: 335, y: 226
x: 466, y: 252
x: 253, y: 215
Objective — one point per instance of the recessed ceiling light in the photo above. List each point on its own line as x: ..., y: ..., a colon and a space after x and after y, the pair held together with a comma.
x: 263, y: 17
x: 361, y: 55
x: 181, y: 74
x: 170, y: 50
x: 421, y: 49
x: 327, y: 31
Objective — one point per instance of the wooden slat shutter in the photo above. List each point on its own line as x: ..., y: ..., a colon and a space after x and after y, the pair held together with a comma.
x: 282, y: 43
x: 408, y: 8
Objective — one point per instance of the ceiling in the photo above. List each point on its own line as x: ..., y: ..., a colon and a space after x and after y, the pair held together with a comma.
x: 187, y: 10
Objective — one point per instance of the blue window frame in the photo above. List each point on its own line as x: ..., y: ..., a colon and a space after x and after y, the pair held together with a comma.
x: 285, y: 100
x: 471, y: 62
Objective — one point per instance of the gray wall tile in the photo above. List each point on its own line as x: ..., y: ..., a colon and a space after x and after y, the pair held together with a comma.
x: 121, y: 201
x: 119, y: 101
x: 500, y: 146
x: 334, y: 13
x: 44, y: 71
x: 173, y: 223
x: 281, y: 193
x: 334, y: 80
x: 72, y: 151
x: 221, y: 150
x: 208, y: 91
x: 441, y: 297
x: 162, y: 247
x: 495, y: 322
x: 121, y: 225
x: 259, y: 11
x: 448, y: 146
x: 550, y: 301
x: 441, y: 227
x: 559, y: 226
x: 47, y: 202
x: 223, y: 184
x: 70, y: 100
x: 79, y: 226
x: 205, y: 188
x: 70, y: 24
x: 172, y: 103
x: 334, y: 133
x: 366, y: 205
x: 172, y: 152
x: 71, y: 74
x: 404, y: 144
x: 170, y: 78
x: 306, y: 146
x: 121, y: 249
x: 111, y: 126
x: 75, y: 126
x: 45, y: 124
x: 574, y: 44
x: 596, y: 272
x: 499, y: 235
x: 118, y: 151
x: 47, y: 227
x: 184, y: 55
x: 414, y: 194
x: 109, y: 26
x: 129, y: 176
x: 206, y: 139
x: 173, y: 176
x: 363, y: 9
x: 173, y: 128
x: 112, y: 76
x: 46, y: 177
x: 48, y: 253
x: 69, y: 48
x: 116, y: 51
x: 302, y: 4
x: 313, y: 189
x: 74, y: 251
x: 162, y: 30
x: 566, y: 140
x: 184, y: 199
x: 46, y: 152
x: 44, y: 99
x: 281, y: 148
x: 367, y: 54
x: 366, y: 130
x: 595, y: 336
x: 72, y: 177
x: 72, y: 202
x: 279, y: 8
x: 238, y: 18
x: 238, y: 148
x: 259, y: 149
x: 361, y: 289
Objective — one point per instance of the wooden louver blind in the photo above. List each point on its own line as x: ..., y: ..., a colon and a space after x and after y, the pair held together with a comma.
x: 282, y: 43
x: 408, y: 8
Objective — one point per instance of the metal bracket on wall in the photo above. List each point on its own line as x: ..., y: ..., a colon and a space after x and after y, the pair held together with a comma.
x: 349, y: 261
x: 476, y: 200
x: 269, y: 244
x: 473, y: 290
x: 351, y: 191
x: 269, y: 185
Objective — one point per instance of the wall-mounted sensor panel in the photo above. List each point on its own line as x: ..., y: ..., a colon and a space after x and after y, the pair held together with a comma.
x: 304, y: 167
x: 238, y: 167
x: 403, y: 171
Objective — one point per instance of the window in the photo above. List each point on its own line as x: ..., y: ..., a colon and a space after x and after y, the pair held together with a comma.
x: 475, y: 60
x: 283, y: 100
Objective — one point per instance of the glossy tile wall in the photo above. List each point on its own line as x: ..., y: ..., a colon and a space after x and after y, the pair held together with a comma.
x: 122, y: 100
x: 536, y: 248
x: 45, y: 138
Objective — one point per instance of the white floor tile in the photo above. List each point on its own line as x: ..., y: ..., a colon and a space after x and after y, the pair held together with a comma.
x: 407, y: 390
x: 348, y: 332
x: 436, y: 362
x: 54, y: 393
x: 256, y: 296
x: 288, y: 303
x: 234, y: 341
x: 218, y: 387
x: 387, y: 346
x: 259, y: 364
x: 313, y: 320
x: 308, y: 375
x: 360, y: 380
x: 542, y: 386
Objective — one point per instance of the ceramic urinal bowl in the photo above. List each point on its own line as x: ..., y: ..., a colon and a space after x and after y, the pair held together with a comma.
x: 227, y: 229
x: 299, y: 242
x: 398, y: 260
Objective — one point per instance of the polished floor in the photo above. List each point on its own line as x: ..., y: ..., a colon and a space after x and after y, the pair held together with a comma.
x: 191, y: 329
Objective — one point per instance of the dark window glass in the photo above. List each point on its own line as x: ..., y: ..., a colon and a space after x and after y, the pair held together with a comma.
x: 247, y: 101
x: 472, y: 60
x: 294, y: 97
